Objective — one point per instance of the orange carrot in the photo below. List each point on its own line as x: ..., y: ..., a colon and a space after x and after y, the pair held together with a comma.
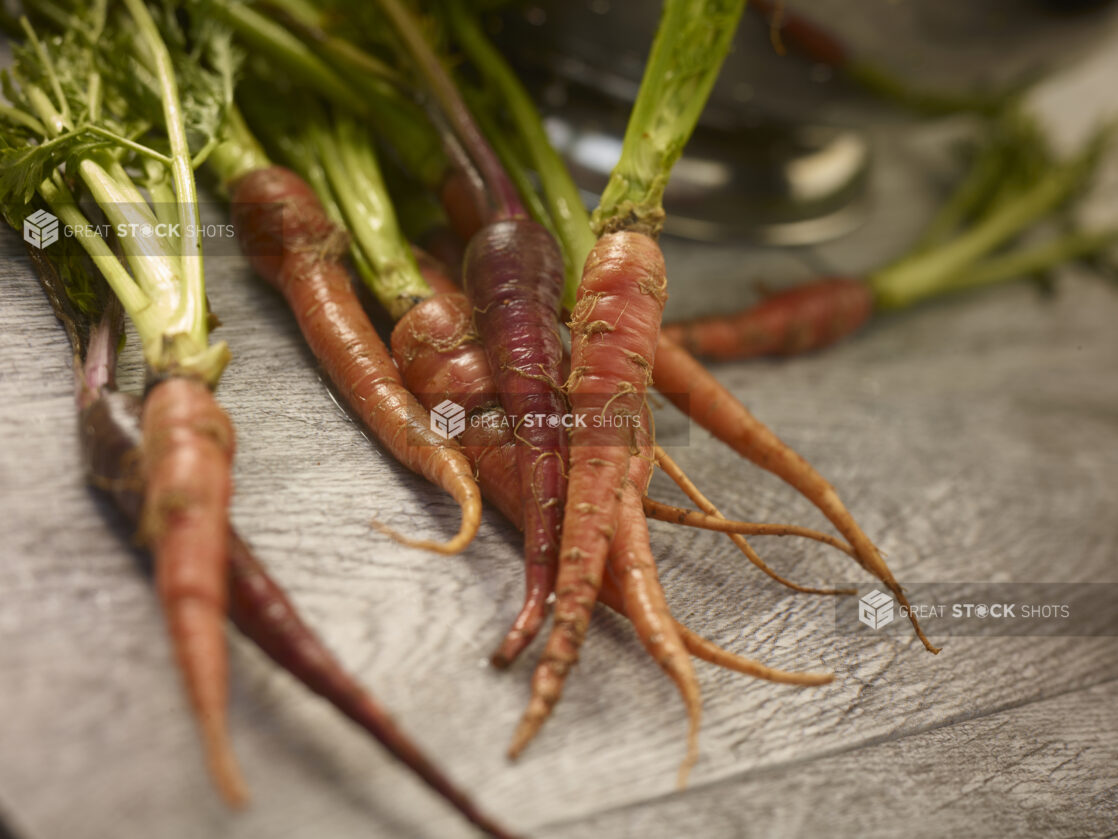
x: 660, y: 511
x: 802, y: 319
x: 672, y: 470
x: 440, y: 357
x: 513, y: 273
x: 632, y: 564
x: 685, y: 383
x: 258, y: 606
x: 613, y: 339
x: 188, y: 452
x: 707, y: 650
x: 293, y: 245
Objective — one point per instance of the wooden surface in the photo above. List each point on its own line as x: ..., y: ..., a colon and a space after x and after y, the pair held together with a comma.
x: 974, y: 440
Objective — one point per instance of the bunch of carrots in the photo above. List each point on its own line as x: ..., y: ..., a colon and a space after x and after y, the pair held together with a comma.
x: 351, y: 141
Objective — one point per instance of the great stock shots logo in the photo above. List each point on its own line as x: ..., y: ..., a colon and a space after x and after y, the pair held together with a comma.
x: 875, y: 610
x: 40, y: 229
x: 448, y: 419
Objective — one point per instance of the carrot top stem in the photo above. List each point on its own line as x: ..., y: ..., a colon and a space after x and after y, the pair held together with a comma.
x: 239, y: 153
x: 336, y: 157
x: 1033, y: 260
x: 925, y: 274
x: 66, y: 113
x: 312, y: 24
x: 927, y: 101
x: 691, y: 42
x: 343, y: 74
x: 1013, y: 139
x: 502, y: 192
x: 351, y: 168
x: 264, y: 35
x: 510, y: 157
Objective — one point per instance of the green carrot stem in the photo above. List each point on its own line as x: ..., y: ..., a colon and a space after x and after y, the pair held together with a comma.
x: 136, y: 303
x: 884, y: 84
x: 691, y: 42
x: 414, y: 141
x: 128, y: 143
x: 311, y: 24
x: 52, y: 119
x: 568, y: 213
x: 923, y: 274
x: 23, y: 118
x: 357, y: 185
x: 190, y: 318
x: 239, y: 153
x: 260, y: 33
x: 979, y: 182
x: 500, y: 189
x: 1012, y: 157
x: 154, y: 266
x: 1028, y: 261
x: 48, y: 67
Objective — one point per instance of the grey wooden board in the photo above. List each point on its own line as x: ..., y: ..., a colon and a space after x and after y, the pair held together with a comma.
x: 1045, y: 764
x: 975, y: 440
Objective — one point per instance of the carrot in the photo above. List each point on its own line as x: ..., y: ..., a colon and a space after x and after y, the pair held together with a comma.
x: 1011, y: 185
x: 157, y: 276
x: 815, y: 42
x: 188, y: 451
x: 440, y: 357
x: 685, y: 383
x: 259, y: 608
x: 613, y: 333
x: 616, y: 320
x: 293, y: 245
x: 632, y: 564
x: 262, y: 612
x: 660, y: 511
x: 707, y: 650
x: 799, y: 320
x: 672, y: 470
x: 513, y: 274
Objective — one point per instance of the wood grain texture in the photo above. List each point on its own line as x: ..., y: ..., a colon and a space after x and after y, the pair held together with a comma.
x: 943, y: 782
x: 974, y: 440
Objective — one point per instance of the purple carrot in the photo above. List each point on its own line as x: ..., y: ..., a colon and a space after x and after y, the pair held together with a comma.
x: 110, y: 435
x: 513, y: 273
x: 258, y: 607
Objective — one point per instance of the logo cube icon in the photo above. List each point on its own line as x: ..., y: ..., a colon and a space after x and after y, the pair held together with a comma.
x: 448, y: 419
x: 40, y: 229
x: 875, y: 610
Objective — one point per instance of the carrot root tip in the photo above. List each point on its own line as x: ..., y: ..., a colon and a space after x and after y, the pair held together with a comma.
x: 223, y: 766
x: 452, y: 546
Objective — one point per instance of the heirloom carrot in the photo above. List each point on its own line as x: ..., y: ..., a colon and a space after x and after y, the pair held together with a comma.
x: 616, y: 320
